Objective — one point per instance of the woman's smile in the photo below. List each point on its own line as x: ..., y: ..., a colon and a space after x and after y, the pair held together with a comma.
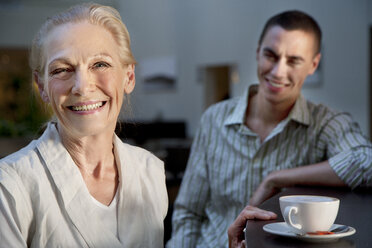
x: 87, y: 108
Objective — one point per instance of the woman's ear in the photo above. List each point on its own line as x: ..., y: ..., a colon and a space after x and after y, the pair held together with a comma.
x: 40, y: 85
x: 131, y: 79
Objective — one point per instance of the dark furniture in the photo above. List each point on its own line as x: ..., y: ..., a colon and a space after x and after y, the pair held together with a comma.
x: 355, y: 210
x: 142, y: 131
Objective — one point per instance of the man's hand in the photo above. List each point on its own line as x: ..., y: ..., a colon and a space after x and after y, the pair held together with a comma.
x: 235, y: 231
x: 265, y: 190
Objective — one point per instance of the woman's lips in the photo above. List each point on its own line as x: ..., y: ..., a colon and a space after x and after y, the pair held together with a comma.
x: 87, y: 107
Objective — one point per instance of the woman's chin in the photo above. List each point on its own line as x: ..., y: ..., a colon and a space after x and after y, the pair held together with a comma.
x: 80, y: 129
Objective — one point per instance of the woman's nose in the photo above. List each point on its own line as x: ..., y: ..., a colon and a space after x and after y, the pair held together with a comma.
x: 83, y: 84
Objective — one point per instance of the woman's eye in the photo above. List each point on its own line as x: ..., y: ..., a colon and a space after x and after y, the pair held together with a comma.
x: 59, y: 71
x: 101, y: 64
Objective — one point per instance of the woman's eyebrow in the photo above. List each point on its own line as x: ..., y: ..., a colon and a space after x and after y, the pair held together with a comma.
x: 101, y: 55
x: 59, y: 60
x: 65, y: 60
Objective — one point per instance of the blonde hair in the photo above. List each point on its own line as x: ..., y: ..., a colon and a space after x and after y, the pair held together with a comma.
x: 104, y: 16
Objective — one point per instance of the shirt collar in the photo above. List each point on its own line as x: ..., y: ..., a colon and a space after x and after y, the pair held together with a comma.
x: 237, y: 116
x: 299, y: 113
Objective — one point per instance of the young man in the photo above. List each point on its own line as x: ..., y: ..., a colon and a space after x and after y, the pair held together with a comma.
x: 247, y: 149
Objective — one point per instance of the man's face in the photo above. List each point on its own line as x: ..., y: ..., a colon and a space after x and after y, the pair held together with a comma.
x: 284, y: 60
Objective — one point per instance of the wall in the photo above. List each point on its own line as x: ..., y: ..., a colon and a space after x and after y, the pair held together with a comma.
x: 152, y: 28
x: 212, y: 32
x: 227, y: 31
x: 219, y: 32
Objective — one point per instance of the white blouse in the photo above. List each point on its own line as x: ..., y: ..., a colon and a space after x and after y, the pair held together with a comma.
x: 44, y: 201
x: 108, y: 214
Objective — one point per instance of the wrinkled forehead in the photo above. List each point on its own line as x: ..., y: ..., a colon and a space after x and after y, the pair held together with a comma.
x: 78, y: 41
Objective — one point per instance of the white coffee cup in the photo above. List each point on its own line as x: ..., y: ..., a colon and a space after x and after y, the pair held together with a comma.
x: 309, y: 213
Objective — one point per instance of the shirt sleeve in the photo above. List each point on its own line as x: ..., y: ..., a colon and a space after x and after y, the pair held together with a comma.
x: 349, y: 151
x: 190, y: 204
x: 10, y: 220
x: 160, y: 184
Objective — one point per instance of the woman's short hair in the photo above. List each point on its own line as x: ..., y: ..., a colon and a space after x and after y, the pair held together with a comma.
x: 96, y: 14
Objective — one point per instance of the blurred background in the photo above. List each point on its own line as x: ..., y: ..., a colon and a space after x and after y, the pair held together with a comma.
x: 190, y: 54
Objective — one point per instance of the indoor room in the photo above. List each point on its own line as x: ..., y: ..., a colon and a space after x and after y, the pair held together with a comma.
x: 189, y: 56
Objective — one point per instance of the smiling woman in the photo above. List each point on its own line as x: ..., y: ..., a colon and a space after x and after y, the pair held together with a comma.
x: 87, y: 81
x: 78, y: 185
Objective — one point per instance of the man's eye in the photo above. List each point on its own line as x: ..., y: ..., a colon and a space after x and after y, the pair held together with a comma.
x: 270, y: 56
x: 294, y: 62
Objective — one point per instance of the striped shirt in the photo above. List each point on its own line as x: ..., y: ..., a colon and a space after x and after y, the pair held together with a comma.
x: 228, y: 162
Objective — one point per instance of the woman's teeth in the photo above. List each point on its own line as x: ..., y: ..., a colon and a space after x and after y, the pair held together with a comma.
x: 87, y: 107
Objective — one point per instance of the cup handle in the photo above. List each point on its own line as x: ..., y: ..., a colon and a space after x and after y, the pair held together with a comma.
x: 288, y: 212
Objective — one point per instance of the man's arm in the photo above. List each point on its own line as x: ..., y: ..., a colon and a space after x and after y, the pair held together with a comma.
x: 349, y: 162
x: 191, y: 200
x: 316, y: 174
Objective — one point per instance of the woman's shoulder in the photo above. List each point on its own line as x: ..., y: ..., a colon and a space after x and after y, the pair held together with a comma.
x: 27, y: 158
x: 20, y: 173
x: 137, y: 155
x: 21, y: 160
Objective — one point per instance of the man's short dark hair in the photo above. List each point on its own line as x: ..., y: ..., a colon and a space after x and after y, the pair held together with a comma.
x: 295, y: 20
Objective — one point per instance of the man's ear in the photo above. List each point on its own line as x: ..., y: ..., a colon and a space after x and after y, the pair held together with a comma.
x: 131, y: 79
x: 257, y: 52
x: 40, y: 85
x: 315, y: 63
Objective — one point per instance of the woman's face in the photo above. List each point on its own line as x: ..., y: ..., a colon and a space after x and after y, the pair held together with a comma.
x: 84, y: 79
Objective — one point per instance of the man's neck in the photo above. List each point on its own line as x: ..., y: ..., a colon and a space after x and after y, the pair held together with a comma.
x: 262, y: 116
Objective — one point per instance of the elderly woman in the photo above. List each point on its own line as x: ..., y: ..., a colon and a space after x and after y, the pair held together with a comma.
x: 79, y: 185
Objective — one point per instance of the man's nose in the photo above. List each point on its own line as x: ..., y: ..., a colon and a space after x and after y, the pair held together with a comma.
x: 83, y: 83
x: 279, y: 69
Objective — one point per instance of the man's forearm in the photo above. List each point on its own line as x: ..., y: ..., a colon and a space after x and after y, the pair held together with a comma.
x: 320, y: 174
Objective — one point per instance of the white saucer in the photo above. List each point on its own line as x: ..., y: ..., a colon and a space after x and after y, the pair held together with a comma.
x: 282, y: 229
